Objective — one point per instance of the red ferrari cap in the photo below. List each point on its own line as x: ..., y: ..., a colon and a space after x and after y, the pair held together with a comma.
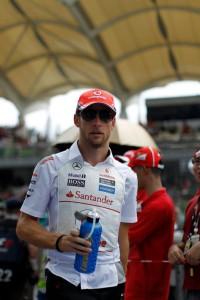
x: 145, y: 157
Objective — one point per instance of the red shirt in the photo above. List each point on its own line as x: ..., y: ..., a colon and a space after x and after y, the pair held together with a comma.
x: 150, y: 239
x: 191, y: 282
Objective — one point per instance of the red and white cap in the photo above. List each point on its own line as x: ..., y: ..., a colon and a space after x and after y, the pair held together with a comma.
x: 95, y: 96
x: 145, y: 157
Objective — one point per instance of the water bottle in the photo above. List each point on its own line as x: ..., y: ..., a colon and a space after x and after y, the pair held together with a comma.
x: 91, y: 230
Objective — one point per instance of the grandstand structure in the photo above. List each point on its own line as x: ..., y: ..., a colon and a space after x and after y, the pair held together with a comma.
x: 174, y: 124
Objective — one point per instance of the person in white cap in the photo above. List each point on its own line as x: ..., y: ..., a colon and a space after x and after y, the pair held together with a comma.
x: 84, y: 176
x: 187, y: 252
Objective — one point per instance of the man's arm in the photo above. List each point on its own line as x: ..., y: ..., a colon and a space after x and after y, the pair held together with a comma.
x: 124, y: 244
x: 30, y: 230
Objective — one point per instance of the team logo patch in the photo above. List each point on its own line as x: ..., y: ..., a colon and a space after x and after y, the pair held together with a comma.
x: 70, y: 194
x: 107, y: 175
x: 107, y: 189
x: 76, y: 182
x: 107, y: 181
x: 31, y: 186
x: 76, y: 175
x: 5, y: 244
x: 77, y: 165
x: 29, y: 192
x: 103, y: 243
x: 90, y: 197
x: 34, y: 178
x: 45, y: 160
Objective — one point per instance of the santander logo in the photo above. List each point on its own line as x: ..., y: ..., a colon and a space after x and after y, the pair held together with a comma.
x: 90, y: 197
x: 70, y: 194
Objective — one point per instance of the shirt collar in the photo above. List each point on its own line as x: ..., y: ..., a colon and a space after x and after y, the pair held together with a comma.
x: 74, y: 152
x: 110, y: 159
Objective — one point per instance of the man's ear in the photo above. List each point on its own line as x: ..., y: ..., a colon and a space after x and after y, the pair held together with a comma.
x: 77, y: 120
x: 113, y: 122
x: 146, y: 170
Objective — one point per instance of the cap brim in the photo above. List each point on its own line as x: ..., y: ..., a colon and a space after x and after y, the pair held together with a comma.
x: 122, y: 159
x: 81, y: 108
x: 136, y: 164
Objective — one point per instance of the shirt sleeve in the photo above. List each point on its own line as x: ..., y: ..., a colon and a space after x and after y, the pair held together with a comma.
x: 129, y: 213
x: 39, y: 191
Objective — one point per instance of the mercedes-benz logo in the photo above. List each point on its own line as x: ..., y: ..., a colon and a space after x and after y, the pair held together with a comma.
x: 77, y: 166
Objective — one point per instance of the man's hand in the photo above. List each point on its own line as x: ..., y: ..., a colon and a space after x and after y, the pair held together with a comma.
x: 193, y: 255
x: 175, y: 255
x: 74, y: 243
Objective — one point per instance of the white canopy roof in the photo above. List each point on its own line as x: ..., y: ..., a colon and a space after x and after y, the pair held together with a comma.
x: 51, y: 46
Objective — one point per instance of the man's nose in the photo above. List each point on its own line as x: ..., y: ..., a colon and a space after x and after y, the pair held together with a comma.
x: 97, y: 118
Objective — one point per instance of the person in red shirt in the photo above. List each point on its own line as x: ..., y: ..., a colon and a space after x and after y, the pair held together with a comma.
x: 188, y: 251
x: 148, y: 271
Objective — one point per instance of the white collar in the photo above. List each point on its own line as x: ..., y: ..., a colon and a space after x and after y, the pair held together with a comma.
x: 74, y: 152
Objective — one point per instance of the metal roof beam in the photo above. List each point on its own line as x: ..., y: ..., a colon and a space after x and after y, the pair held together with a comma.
x: 134, y: 12
x: 152, y: 47
x: 38, y: 36
x: 78, y: 13
x: 48, y: 55
x: 70, y: 84
x: 11, y: 93
x: 40, y: 22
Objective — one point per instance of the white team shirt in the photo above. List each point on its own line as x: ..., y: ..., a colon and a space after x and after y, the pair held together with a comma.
x: 63, y: 183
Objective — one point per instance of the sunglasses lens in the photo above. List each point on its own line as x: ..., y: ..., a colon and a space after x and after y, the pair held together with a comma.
x: 105, y: 115
x: 88, y: 114
x: 196, y: 160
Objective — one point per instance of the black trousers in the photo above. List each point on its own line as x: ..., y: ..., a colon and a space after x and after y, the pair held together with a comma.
x: 11, y: 293
x: 59, y: 289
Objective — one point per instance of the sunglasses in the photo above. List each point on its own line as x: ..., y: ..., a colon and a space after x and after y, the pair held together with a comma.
x: 196, y: 160
x: 104, y: 115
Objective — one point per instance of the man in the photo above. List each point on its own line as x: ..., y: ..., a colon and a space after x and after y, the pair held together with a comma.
x: 78, y: 179
x: 148, y: 272
x: 188, y: 251
x: 15, y: 265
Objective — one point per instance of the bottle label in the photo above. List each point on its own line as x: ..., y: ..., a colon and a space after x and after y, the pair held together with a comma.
x: 84, y: 263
